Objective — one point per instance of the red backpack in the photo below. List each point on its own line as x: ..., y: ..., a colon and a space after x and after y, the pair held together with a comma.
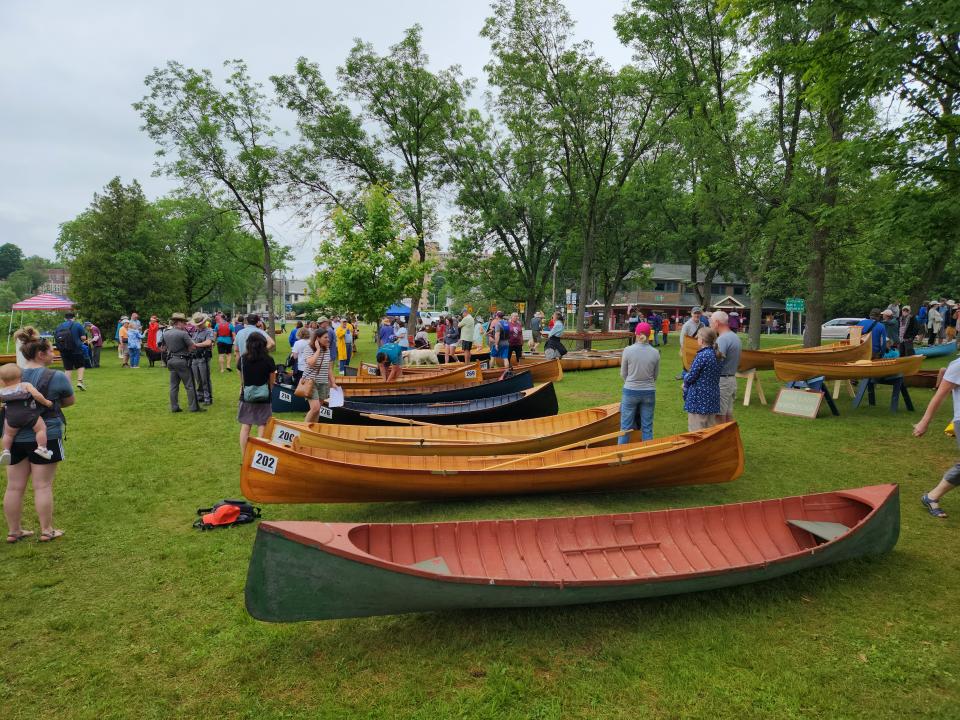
x: 223, y: 330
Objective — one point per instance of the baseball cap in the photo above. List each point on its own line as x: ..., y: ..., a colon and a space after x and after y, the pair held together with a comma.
x: 643, y: 328
x: 696, y: 309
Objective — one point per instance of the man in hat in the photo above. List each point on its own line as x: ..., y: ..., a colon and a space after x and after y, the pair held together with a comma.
x: 536, y: 330
x: 873, y: 326
x: 892, y: 326
x: 203, y: 338
x: 180, y: 354
x: 690, y: 329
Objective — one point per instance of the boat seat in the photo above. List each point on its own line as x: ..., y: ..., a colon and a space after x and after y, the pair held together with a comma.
x: 435, y: 565
x: 826, y: 531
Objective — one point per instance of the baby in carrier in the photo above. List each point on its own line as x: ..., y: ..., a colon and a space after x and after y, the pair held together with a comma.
x: 23, y: 404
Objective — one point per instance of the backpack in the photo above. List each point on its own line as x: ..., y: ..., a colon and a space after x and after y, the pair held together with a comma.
x: 515, y: 334
x: 226, y: 514
x: 223, y: 330
x: 20, y: 410
x: 64, y: 340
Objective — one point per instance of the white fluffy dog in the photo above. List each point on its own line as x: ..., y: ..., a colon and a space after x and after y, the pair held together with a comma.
x: 420, y: 357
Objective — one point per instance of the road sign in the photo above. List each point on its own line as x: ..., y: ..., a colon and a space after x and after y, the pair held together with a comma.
x: 289, y: 308
x: 796, y: 305
x: 521, y: 306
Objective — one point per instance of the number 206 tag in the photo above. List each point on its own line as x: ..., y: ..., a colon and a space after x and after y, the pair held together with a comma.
x: 264, y: 462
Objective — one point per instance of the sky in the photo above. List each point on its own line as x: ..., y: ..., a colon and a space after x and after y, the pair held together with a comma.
x: 69, y: 72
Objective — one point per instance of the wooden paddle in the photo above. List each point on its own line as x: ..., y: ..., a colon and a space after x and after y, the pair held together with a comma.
x: 580, y: 443
x: 620, y: 454
x: 407, y: 421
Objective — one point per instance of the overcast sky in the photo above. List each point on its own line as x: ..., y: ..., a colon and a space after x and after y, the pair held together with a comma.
x: 70, y: 70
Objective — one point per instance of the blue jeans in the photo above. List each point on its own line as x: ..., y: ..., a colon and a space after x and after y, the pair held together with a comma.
x: 134, y: 357
x: 632, y: 402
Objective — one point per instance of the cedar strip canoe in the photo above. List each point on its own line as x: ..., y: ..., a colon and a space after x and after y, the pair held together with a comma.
x: 540, y: 401
x: 322, y: 571
x: 506, y: 438
x: 8, y: 358
x: 279, y: 474
x: 541, y: 370
x: 576, y: 360
x: 458, y: 375
x: 841, y: 351
x: 787, y: 369
x: 941, y: 350
x: 442, y: 393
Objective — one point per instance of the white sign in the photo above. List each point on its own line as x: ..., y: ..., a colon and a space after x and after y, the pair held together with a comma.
x: 336, y: 397
x: 469, y: 374
x: 285, y: 396
x: 284, y: 436
x: 371, y: 371
x: 264, y: 462
x: 326, y: 412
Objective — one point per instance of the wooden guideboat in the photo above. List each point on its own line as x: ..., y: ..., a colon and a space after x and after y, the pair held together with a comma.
x: 279, y: 474
x: 788, y: 370
x: 942, y: 350
x: 541, y: 370
x: 841, y: 351
x: 461, y: 375
x: 321, y: 571
x: 540, y: 401
x: 923, y: 379
x: 443, y: 393
x: 578, y: 362
x: 504, y: 438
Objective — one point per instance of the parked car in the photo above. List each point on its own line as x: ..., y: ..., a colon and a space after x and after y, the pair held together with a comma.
x: 431, y: 317
x: 838, y: 328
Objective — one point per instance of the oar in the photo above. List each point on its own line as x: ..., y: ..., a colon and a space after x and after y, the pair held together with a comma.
x: 620, y: 454
x: 580, y: 443
x: 407, y: 421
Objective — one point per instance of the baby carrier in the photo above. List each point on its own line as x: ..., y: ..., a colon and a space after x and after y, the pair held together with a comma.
x: 20, y: 409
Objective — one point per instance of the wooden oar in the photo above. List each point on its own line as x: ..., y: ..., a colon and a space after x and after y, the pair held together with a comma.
x: 580, y: 443
x: 406, y: 421
x: 620, y: 454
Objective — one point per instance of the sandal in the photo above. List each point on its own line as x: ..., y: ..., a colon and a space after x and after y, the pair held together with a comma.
x: 937, y: 512
x: 51, y: 536
x: 15, y: 538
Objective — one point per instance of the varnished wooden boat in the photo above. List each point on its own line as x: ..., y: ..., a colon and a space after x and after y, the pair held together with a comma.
x: 443, y: 393
x: 841, y: 351
x: 578, y: 363
x: 541, y: 370
x: 595, y: 336
x: 279, y: 474
x: 787, y: 370
x: 923, y: 379
x: 505, y: 438
x: 942, y: 350
x: 464, y: 374
x: 318, y: 571
x: 540, y: 401
x: 8, y: 358
x: 481, y: 354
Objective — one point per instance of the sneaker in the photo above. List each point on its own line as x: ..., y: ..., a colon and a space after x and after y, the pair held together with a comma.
x: 229, y: 369
x: 5, y: 457
x: 80, y: 385
x: 43, y: 452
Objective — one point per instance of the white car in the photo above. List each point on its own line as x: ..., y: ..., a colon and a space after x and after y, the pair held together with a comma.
x: 837, y: 328
x: 430, y: 317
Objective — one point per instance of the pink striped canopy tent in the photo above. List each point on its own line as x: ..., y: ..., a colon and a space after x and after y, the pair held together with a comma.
x: 44, y: 301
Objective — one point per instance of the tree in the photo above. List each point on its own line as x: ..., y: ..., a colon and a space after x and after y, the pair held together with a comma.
x: 117, y: 261
x: 367, y: 265
x: 7, y: 297
x: 218, y: 141
x: 11, y: 259
x: 396, y: 141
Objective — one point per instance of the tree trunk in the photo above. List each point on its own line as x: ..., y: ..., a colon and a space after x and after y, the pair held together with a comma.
x: 268, y: 274
x: 585, y: 266
x: 756, y: 314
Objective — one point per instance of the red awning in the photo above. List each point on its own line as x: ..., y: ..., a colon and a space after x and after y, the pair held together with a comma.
x: 44, y: 301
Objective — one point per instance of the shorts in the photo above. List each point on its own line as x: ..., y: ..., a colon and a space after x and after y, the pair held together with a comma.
x: 535, y: 336
x: 72, y: 361
x: 21, y: 451
x: 467, y: 344
x: 224, y: 348
x: 516, y: 350
x: 321, y: 391
x: 696, y: 421
x: 495, y: 351
x: 728, y: 394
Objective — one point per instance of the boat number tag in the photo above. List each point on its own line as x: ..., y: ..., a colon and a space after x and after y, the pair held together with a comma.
x: 470, y: 374
x: 371, y: 371
x: 485, y: 366
x: 264, y: 462
x: 326, y: 412
x: 285, y: 396
x: 284, y: 435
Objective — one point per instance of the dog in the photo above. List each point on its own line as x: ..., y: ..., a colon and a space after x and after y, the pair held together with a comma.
x: 420, y: 357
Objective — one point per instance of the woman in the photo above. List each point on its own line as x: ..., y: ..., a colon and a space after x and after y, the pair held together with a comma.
x: 479, y: 332
x: 515, y: 338
x: 909, y: 328
x: 318, y: 369
x: 124, y: 348
x: 451, y: 336
x: 24, y: 464
x: 256, y: 370
x: 420, y: 340
x: 553, y: 349
x: 701, y: 386
x: 639, y: 367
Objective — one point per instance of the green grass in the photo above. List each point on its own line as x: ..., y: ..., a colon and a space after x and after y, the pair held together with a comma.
x: 135, y: 614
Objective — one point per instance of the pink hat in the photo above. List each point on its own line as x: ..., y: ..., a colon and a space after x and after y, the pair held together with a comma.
x: 643, y: 328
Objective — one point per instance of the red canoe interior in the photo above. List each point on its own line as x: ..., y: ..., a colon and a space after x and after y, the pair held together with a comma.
x: 606, y: 548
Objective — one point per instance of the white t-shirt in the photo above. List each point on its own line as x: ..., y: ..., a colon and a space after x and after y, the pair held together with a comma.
x: 402, y: 339
x: 953, y: 376
x: 302, y: 349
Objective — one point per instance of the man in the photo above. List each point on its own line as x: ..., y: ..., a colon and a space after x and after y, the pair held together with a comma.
x: 728, y: 345
x: 690, y: 329
x: 653, y: 320
x: 934, y: 323
x: 385, y: 332
x: 499, y: 333
x: 179, y: 350
x: 536, y: 330
x: 96, y: 342
x: 135, y: 321
x: 873, y: 326
x: 116, y: 335
x: 891, y: 324
x: 203, y: 338
x: 69, y: 338
x: 240, y: 339
x: 390, y: 360
x: 324, y: 323
x: 466, y: 326
x: 224, y: 335
x: 639, y: 367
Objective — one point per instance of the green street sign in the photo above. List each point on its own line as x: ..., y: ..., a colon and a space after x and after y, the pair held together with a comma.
x: 796, y: 305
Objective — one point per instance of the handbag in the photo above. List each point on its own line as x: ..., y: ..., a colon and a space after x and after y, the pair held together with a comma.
x: 304, y: 387
x: 255, y: 393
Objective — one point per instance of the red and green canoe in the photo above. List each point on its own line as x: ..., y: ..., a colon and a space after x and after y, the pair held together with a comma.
x: 318, y: 571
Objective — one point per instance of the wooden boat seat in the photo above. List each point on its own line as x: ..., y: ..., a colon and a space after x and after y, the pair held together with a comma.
x: 826, y: 531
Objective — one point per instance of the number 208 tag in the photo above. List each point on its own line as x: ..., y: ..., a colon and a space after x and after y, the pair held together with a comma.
x: 264, y: 462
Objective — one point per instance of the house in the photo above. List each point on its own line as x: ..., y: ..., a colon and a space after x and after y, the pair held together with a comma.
x: 57, y: 282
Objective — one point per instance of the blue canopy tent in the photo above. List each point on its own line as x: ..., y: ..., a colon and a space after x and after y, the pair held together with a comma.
x: 398, y: 310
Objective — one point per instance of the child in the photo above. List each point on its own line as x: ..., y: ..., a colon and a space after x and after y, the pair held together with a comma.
x: 20, y: 410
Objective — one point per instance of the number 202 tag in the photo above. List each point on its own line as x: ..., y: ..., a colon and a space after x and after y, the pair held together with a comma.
x: 264, y: 462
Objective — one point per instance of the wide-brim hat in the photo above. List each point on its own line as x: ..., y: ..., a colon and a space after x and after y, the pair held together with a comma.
x: 323, y: 318
x: 178, y: 317
x: 199, y: 318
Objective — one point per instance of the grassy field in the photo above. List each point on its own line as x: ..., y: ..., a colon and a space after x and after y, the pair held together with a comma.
x: 135, y: 614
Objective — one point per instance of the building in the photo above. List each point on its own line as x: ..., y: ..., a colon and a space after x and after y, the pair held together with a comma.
x: 57, y: 282
x: 294, y: 291
x: 673, y: 294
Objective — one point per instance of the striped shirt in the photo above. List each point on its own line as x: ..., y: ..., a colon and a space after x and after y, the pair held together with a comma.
x: 320, y: 373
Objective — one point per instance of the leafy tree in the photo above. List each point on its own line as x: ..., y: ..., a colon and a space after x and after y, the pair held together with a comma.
x: 367, y: 264
x: 218, y: 141
x: 396, y: 141
x: 11, y: 259
x: 7, y: 297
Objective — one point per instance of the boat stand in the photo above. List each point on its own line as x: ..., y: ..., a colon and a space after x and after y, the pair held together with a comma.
x: 868, y: 387
x: 817, y: 384
x: 750, y: 376
x: 837, y: 384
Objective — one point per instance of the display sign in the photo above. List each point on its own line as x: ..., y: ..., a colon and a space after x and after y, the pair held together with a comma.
x: 796, y: 305
x: 799, y: 403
